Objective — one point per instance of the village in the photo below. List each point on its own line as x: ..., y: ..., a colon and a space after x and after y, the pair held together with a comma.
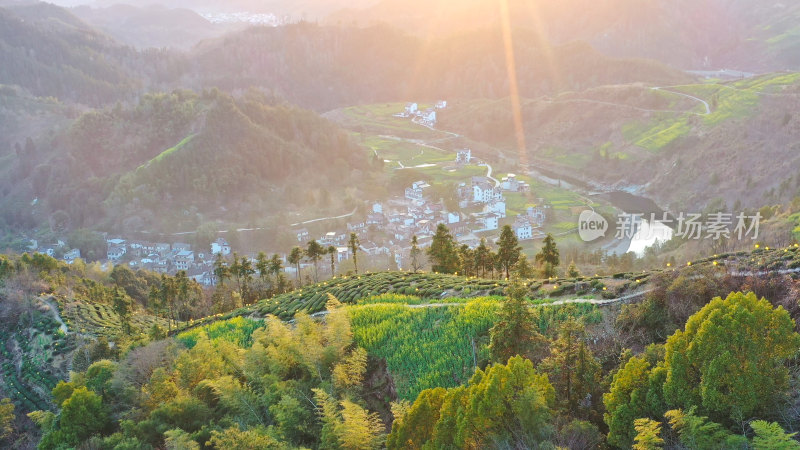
x: 384, y: 233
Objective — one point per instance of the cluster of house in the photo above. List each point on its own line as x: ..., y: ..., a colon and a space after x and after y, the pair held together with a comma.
x: 389, y: 227
x: 51, y: 250
x: 425, y: 117
x: 168, y: 258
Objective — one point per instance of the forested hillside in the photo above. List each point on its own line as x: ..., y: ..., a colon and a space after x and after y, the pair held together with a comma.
x: 50, y: 52
x: 208, y: 154
x: 325, y: 67
x: 687, y: 146
x: 749, y: 35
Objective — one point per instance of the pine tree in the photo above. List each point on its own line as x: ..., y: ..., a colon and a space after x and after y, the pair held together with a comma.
x: 415, y: 254
x: 314, y: 253
x: 294, y: 259
x: 262, y: 266
x: 122, y: 306
x: 443, y: 254
x: 482, y: 257
x: 509, y: 249
x: 647, y: 437
x: 515, y: 332
x: 221, y: 270
x: 548, y: 258
x: 573, y: 370
x: 354, y: 244
x: 523, y: 268
x: 572, y: 270
x: 332, y: 254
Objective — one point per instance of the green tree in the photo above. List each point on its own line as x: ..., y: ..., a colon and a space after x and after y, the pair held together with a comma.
x: 262, y: 266
x: 82, y: 415
x: 573, y: 370
x: 506, y: 406
x: 122, y: 306
x: 360, y: 429
x: 572, y: 270
x: 221, y: 270
x: 466, y: 260
x: 178, y: 439
x: 523, y: 269
x: 294, y: 259
x: 648, y: 433
x: 415, y: 254
x: 275, y: 265
x: 483, y: 257
x: 314, y: 253
x: 332, y: 253
x: 698, y: 432
x: 204, y: 234
x: 354, y: 244
x: 508, y: 251
x: 548, y: 258
x: 442, y: 253
x: 6, y: 418
x: 632, y: 395
x: 729, y: 360
x: 770, y: 436
x: 515, y: 331
x: 414, y: 428
x: 235, y: 439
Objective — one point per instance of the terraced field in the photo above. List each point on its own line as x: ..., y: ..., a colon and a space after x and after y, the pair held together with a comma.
x: 100, y: 319
x: 27, y: 359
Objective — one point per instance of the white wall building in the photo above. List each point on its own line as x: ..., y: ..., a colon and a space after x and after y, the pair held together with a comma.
x: 220, y: 246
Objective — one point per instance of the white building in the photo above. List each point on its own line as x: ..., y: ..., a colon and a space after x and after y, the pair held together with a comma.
x: 428, y: 117
x: 483, y: 191
x: 184, y: 260
x: 496, y: 206
x: 302, y: 235
x: 489, y: 221
x: 510, y: 183
x: 328, y: 239
x: 411, y: 109
x: 416, y: 192
x: 537, y: 215
x: 220, y: 246
x: 441, y: 104
x: 522, y: 228
x: 72, y: 255
x: 116, y: 252
x: 464, y: 156
x: 342, y: 254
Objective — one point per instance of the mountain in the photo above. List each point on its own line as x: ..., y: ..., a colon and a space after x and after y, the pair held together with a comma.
x: 750, y: 35
x: 151, y: 26
x: 310, y: 9
x: 324, y: 67
x: 50, y: 52
x: 663, y: 143
x: 174, y: 161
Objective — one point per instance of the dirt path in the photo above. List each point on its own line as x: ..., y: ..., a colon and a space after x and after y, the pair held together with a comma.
x: 589, y: 301
x: 705, y: 103
x: 53, y: 306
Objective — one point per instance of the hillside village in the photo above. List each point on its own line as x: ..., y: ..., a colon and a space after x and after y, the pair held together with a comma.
x: 385, y: 232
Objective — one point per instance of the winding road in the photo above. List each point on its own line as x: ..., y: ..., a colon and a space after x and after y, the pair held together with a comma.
x: 705, y: 103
